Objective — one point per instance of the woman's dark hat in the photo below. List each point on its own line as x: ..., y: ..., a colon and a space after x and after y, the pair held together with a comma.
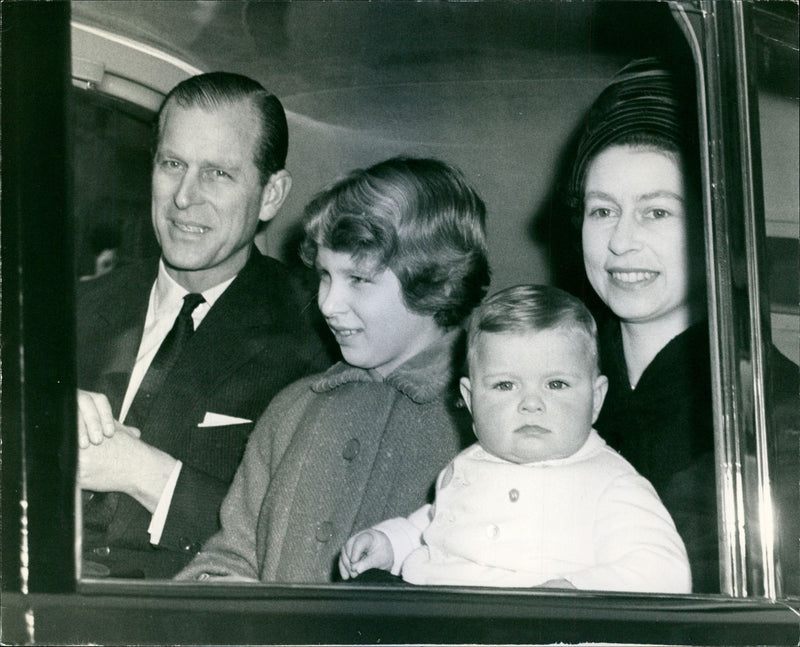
x: 644, y: 101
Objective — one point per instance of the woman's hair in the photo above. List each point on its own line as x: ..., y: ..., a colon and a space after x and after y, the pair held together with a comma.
x: 529, y: 309
x: 416, y: 217
x: 645, y: 105
x: 211, y: 90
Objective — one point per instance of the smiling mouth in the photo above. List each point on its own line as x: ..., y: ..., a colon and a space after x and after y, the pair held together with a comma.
x: 636, y: 277
x: 189, y: 229
x: 344, y: 333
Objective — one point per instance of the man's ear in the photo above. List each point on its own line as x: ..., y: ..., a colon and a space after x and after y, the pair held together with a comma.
x: 466, y: 391
x: 274, y: 193
x: 598, y: 395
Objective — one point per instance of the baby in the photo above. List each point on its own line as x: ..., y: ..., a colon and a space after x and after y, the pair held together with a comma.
x: 540, y: 500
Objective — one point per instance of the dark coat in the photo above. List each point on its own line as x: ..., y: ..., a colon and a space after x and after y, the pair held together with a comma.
x: 665, y: 428
x: 257, y: 338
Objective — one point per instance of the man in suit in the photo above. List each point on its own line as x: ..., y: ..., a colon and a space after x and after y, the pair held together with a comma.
x: 160, y: 439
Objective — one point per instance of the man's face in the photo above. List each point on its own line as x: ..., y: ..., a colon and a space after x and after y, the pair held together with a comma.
x: 533, y: 396
x: 207, y: 192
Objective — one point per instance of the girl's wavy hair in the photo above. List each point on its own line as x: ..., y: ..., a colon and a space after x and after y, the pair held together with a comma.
x: 417, y: 217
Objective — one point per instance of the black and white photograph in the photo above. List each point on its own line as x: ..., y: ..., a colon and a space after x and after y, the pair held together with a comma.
x: 435, y: 322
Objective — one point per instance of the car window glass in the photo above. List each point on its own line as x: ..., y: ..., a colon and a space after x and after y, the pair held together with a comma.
x: 500, y: 95
x: 778, y: 101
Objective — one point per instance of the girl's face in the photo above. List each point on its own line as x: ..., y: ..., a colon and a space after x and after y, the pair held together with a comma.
x: 636, y: 237
x: 364, y: 309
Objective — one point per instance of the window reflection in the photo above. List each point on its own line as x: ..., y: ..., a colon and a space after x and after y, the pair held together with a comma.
x: 111, y: 174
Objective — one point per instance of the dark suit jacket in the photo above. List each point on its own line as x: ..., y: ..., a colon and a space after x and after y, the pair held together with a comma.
x: 259, y: 336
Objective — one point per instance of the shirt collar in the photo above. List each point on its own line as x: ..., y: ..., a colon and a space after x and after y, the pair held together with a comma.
x: 169, y: 292
x: 422, y: 378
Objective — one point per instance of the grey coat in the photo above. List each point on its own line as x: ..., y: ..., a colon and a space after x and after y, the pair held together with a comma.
x: 333, y: 454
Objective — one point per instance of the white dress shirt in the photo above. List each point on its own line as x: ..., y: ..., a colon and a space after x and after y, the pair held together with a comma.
x: 166, y: 300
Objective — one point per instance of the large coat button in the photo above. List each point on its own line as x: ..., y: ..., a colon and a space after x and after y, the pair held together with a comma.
x: 351, y: 449
x: 324, y: 532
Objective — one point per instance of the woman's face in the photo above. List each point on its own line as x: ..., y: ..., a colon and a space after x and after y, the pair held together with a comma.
x: 636, y: 236
x: 365, y: 310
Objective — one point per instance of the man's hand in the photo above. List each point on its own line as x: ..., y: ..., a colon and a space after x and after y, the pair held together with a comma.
x: 124, y: 463
x: 365, y: 550
x: 95, y: 420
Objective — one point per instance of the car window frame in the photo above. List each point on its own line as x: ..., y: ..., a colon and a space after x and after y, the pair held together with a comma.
x: 739, y: 309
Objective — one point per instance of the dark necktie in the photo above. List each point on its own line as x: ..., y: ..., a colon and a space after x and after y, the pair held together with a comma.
x: 99, y: 507
x: 162, y: 363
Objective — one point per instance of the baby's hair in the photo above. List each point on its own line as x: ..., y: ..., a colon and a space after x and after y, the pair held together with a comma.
x: 417, y: 217
x: 533, y: 308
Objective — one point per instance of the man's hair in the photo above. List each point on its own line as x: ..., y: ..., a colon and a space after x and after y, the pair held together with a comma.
x: 417, y: 217
x: 529, y: 309
x: 209, y: 91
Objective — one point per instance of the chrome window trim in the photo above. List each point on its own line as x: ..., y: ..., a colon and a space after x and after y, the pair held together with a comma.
x: 738, y: 308
x: 755, y: 233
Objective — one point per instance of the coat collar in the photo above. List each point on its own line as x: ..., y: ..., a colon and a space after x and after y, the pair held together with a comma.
x: 263, y: 276
x: 423, y: 378
x: 683, y: 360
x: 134, y: 284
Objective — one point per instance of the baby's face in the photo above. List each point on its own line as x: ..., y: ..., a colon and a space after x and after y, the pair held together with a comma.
x: 533, y: 396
